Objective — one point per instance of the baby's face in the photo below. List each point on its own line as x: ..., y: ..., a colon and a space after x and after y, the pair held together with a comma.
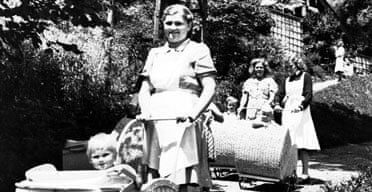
x: 231, y: 106
x: 102, y: 159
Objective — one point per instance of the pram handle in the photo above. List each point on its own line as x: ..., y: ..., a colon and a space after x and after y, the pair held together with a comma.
x: 181, y: 119
x: 160, y: 119
x: 260, y: 108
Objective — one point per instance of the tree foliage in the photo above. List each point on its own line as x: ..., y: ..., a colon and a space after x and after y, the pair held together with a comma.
x: 54, y: 94
x: 357, y: 15
x: 132, y: 40
x: 31, y: 116
x: 27, y: 19
x: 351, y: 21
x: 321, y: 31
x: 238, y: 31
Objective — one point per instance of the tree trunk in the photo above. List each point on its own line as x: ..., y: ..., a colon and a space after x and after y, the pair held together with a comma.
x: 109, y: 41
x: 156, y: 20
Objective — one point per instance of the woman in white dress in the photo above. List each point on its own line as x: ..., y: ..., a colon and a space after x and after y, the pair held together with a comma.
x: 340, y: 60
x: 295, y: 95
x: 179, y: 83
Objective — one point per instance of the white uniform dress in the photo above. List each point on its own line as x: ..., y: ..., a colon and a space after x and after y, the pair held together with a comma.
x: 173, y: 73
x: 300, y: 124
x: 340, y: 54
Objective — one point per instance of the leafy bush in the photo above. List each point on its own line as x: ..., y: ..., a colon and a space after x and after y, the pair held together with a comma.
x: 321, y: 31
x: 91, y: 105
x: 356, y: 16
x: 31, y: 114
x: 360, y: 183
x: 342, y: 113
x: 238, y: 31
x: 43, y: 103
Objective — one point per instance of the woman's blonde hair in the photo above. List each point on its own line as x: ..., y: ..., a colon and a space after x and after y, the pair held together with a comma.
x: 298, y: 62
x: 255, y: 61
x: 101, y: 141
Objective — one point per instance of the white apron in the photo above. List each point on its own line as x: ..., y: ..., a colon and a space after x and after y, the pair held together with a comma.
x: 177, y: 141
x: 300, y: 124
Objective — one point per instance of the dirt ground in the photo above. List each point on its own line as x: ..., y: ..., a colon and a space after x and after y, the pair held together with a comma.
x: 329, y: 165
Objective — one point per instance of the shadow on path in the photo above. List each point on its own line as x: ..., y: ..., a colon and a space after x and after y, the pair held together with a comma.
x: 343, y: 158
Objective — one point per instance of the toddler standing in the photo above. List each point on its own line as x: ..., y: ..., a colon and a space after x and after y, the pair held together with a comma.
x: 231, y: 108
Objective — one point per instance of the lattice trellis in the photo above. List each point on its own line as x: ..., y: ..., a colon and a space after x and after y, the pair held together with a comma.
x: 362, y: 64
x: 288, y: 29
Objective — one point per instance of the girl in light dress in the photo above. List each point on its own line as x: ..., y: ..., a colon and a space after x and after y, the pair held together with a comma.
x: 258, y: 91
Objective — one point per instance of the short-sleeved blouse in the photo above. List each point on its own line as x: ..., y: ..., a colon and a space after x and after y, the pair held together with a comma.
x: 260, y: 89
x: 173, y: 69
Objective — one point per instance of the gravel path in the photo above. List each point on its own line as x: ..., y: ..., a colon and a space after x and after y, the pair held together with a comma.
x: 322, y: 85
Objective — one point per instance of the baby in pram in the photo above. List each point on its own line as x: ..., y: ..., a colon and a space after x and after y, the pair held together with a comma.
x: 102, y: 154
x: 101, y: 151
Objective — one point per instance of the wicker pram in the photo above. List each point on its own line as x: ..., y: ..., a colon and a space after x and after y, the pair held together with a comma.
x: 224, y: 140
x: 263, y: 154
x: 266, y: 152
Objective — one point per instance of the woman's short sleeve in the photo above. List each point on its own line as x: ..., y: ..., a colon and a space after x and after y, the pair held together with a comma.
x: 245, y: 89
x: 146, y: 69
x: 203, y: 61
x: 273, y: 86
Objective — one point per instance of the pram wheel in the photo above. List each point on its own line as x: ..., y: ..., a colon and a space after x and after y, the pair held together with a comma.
x: 290, y: 182
x: 223, y: 173
x: 245, y: 183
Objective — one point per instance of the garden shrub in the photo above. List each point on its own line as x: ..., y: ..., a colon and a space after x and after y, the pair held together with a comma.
x: 360, y: 183
x: 31, y: 116
x: 43, y: 104
x: 53, y: 95
x: 342, y: 113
